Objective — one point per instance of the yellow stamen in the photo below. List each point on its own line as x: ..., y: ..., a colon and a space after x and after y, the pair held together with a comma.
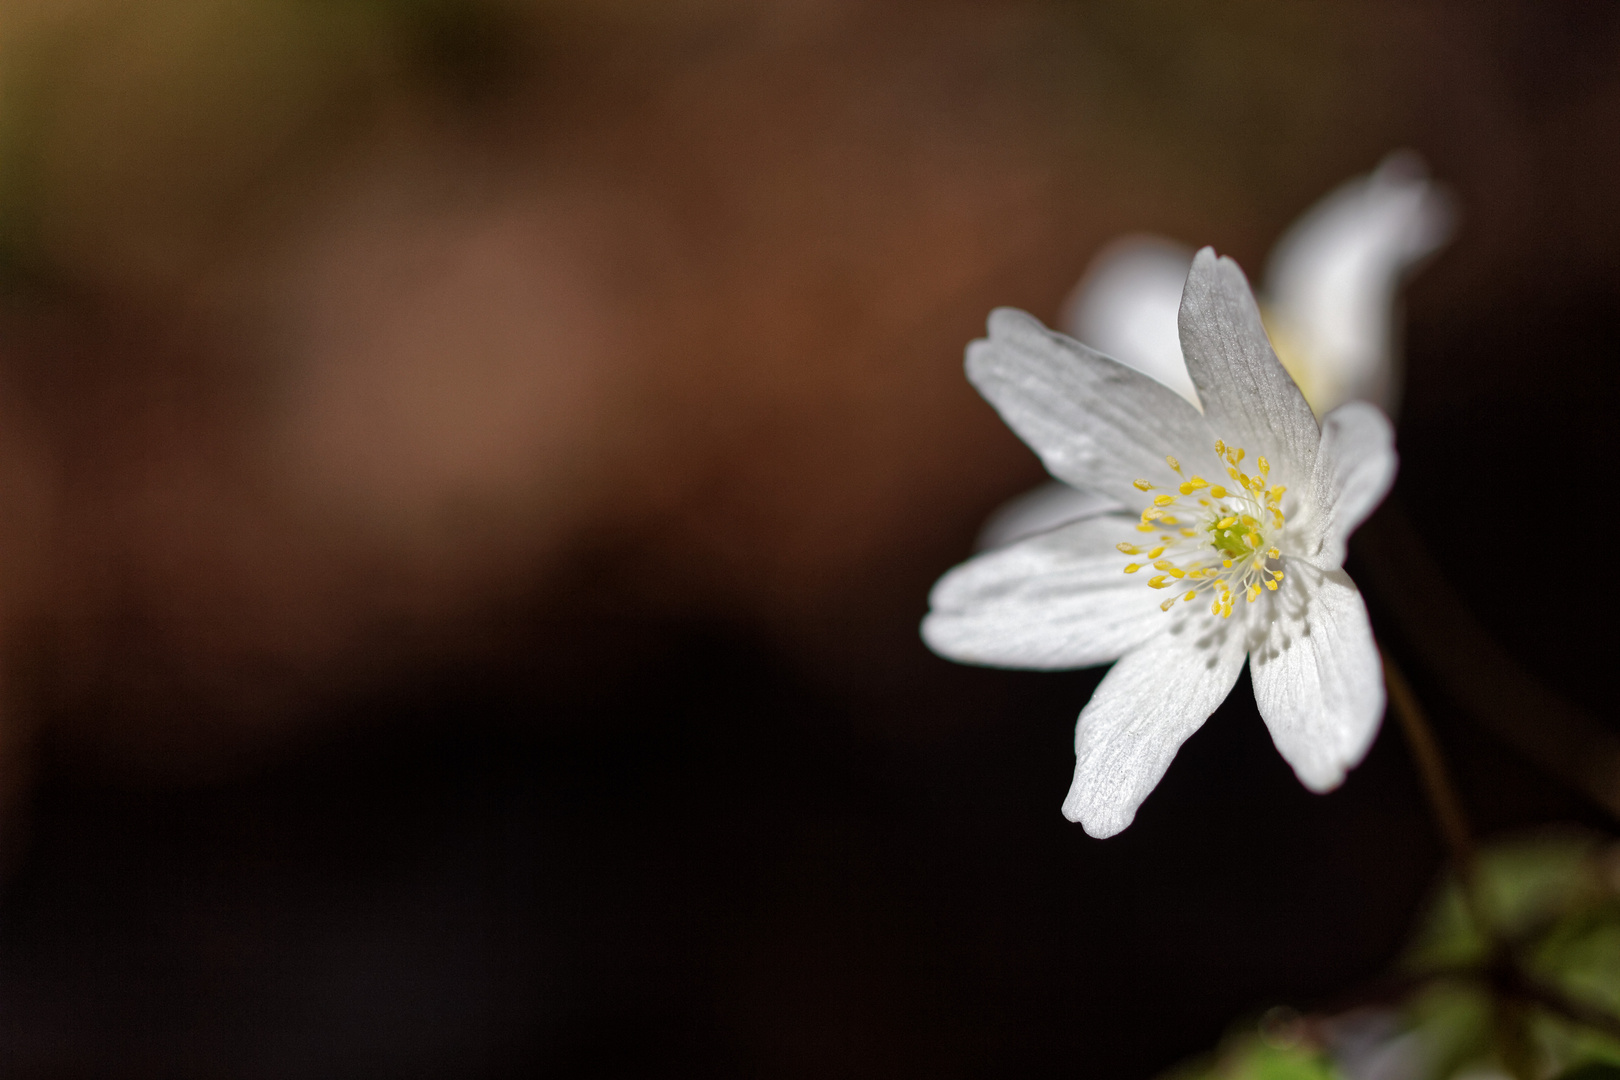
x: 1141, y: 485
x: 1131, y: 568
x: 1173, y: 463
x: 1160, y: 582
x: 1127, y: 549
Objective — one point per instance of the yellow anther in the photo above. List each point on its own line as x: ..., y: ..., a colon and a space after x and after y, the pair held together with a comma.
x: 1276, y: 493
x: 1168, y: 520
x: 1215, y: 607
x: 1218, y: 491
x: 1127, y: 549
x: 1156, y: 552
x: 1151, y: 513
x: 1220, y: 447
x: 1254, y: 593
x: 1272, y: 554
x: 1265, y: 466
x: 1278, y: 574
x: 1163, y: 500
x: 1227, y: 563
x: 1176, y: 572
x: 1226, y: 523
x: 1172, y: 462
x: 1160, y: 582
x: 1190, y: 486
x: 1141, y: 485
x: 1233, y: 473
x: 1168, y: 604
x: 1237, y: 454
x: 1188, y: 533
x: 1272, y: 585
x: 1163, y: 564
x: 1145, y: 527
x: 1189, y: 596
x: 1252, y: 539
x: 1247, y: 520
x: 1131, y: 568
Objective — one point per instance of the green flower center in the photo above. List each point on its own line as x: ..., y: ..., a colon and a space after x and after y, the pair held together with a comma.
x: 1224, y: 546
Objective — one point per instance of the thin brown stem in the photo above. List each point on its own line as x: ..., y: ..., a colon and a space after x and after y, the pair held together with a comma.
x: 1509, y: 1016
x: 1437, y: 784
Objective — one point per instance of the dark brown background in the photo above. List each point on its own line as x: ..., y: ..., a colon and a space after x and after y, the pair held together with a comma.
x: 472, y: 472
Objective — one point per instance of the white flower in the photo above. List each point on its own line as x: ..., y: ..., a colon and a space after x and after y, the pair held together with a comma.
x: 1330, y: 303
x: 1245, y: 504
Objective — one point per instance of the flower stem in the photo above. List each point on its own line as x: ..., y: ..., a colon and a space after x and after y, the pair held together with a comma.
x: 1509, y: 1013
x: 1437, y: 783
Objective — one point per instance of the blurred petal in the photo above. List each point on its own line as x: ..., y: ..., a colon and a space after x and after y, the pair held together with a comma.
x: 1095, y: 423
x: 1126, y: 306
x: 1040, y: 510
x: 1317, y: 678
x: 1331, y: 281
x: 1057, y: 600
x: 1142, y: 712
x: 1355, y: 468
x: 1249, y: 400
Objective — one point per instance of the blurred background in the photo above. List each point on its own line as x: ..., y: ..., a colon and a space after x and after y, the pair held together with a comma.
x: 471, y: 471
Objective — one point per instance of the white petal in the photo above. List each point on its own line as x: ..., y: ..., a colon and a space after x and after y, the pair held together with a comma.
x: 1249, y: 400
x: 1041, y: 510
x: 1331, y: 280
x: 1053, y: 601
x: 1142, y: 712
x: 1094, y: 422
x: 1317, y: 677
x: 1355, y: 467
x: 1126, y: 306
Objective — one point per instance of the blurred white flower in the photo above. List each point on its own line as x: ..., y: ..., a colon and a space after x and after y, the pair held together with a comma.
x: 1330, y: 303
x: 1212, y: 571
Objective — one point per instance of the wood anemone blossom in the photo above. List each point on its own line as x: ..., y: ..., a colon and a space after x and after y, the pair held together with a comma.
x: 1221, y: 564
